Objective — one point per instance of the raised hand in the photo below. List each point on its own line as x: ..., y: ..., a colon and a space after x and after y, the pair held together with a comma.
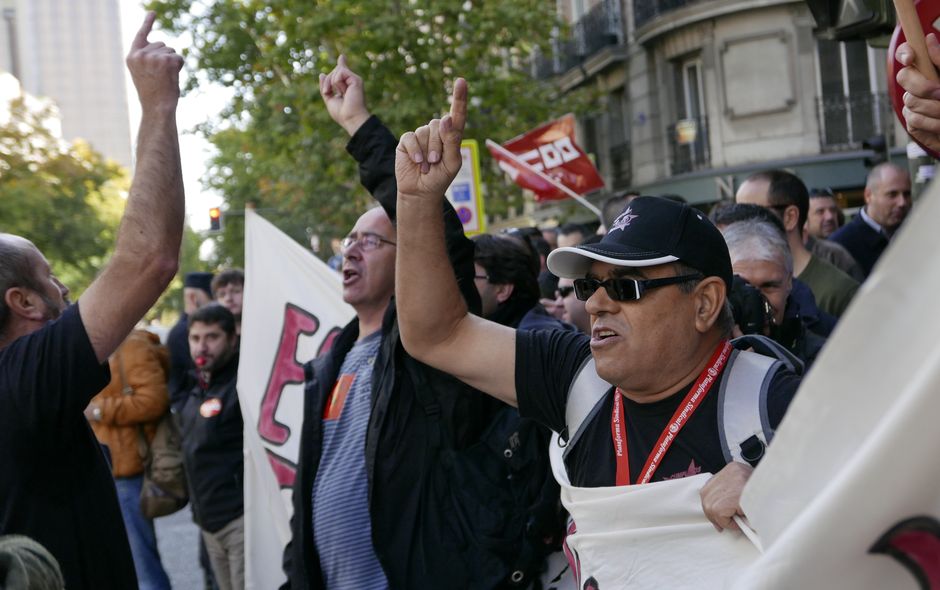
x: 155, y: 70
x: 429, y: 158
x: 344, y: 96
x: 922, y: 99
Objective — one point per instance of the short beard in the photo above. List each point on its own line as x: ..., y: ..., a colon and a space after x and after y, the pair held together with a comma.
x: 53, y: 311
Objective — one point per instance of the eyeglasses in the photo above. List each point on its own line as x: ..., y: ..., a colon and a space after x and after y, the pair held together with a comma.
x: 367, y: 241
x: 564, y: 291
x: 624, y: 289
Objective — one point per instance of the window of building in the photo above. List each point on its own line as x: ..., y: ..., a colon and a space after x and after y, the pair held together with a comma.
x: 851, y: 109
x: 688, y: 136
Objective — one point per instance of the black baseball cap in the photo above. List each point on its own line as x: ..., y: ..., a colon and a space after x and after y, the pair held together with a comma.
x: 651, y: 231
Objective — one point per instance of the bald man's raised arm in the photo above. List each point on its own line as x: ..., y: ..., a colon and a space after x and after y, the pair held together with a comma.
x: 146, y: 255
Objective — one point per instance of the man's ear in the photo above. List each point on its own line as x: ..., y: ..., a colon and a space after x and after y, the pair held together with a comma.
x: 791, y: 217
x: 504, y: 292
x: 709, y: 297
x: 24, y: 303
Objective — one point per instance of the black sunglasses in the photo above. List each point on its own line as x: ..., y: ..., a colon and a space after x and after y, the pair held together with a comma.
x: 624, y: 289
x: 564, y: 291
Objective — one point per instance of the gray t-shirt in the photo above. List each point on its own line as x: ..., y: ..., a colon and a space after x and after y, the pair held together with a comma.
x: 342, y: 528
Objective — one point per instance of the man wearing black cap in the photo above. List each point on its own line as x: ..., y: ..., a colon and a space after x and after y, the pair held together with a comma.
x: 197, y: 292
x: 658, y: 358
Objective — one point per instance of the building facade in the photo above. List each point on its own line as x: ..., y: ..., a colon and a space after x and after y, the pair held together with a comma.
x: 698, y: 94
x: 71, y: 52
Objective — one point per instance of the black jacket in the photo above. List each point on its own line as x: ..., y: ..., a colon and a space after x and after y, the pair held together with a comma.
x: 212, y: 449
x: 864, y: 243
x: 403, y: 443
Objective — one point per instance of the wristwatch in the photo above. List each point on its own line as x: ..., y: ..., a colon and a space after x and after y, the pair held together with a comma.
x: 96, y: 414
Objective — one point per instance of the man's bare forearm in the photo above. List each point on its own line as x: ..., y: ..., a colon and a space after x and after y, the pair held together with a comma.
x: 153, y: 219
x: 430, y: 305
x: 146, y: 254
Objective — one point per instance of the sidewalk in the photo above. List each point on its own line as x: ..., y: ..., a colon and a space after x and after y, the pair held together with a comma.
x: 178, y: 539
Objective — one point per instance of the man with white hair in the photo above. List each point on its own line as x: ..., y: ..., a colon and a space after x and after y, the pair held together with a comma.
x: 760, y: 255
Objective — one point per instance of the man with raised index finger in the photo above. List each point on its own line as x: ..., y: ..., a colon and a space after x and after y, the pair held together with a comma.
x: 655, y: 288
x: 55, y: 485
x: 374, y: 499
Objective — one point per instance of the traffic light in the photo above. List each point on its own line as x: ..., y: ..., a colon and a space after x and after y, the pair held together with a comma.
x: 215, y: 219
x: 847, y: 20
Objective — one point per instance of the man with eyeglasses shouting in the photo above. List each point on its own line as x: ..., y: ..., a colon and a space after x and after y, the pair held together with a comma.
x: 373, y: 506
x: 637, y: 401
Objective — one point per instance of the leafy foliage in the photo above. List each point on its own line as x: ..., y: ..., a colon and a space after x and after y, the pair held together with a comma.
x: 277, y: 146
x: 66, y: 199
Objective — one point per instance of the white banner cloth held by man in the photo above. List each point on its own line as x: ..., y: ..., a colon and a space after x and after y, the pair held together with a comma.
x: 293, y: 305
x: 648, y: 536
x: 856, y: 455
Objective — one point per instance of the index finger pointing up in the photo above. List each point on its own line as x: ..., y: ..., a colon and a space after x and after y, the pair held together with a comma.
x: 458, y: 104
x: 140, y: 40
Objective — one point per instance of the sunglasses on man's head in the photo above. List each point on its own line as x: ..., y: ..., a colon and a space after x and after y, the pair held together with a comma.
x: 625, y: 289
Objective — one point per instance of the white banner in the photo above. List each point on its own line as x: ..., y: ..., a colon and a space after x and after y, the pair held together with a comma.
x: 848, y: 495
x: 292, y: 307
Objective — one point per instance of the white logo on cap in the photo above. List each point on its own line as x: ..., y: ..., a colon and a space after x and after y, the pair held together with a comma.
x: 623, y: 220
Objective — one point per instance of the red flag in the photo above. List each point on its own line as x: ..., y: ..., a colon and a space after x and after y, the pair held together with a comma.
x: 550, y: 149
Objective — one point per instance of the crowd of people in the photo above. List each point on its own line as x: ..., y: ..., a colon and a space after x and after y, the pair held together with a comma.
x: 480, y: 382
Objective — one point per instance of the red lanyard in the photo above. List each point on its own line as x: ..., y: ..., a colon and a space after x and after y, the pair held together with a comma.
x: 618, y: 429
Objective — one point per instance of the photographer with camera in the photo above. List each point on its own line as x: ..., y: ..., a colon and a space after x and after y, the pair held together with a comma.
x: 761, y: 261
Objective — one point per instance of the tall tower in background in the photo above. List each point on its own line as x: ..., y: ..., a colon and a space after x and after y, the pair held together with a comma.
x: 71, y: 51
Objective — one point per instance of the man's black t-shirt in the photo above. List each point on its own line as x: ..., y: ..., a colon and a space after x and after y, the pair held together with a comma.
x: 546, y: 364
x: 55, y: 485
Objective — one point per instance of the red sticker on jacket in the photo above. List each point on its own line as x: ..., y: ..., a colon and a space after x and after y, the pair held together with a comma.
x: 211, y: 407
x: 334, y: 405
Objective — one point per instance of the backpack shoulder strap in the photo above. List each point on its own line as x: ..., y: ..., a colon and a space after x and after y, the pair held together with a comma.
x: 769, y: 347
x: 585, y: 397
x: 743, y: 423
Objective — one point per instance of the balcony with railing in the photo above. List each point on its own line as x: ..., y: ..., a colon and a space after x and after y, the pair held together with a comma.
x: 846, y: 121
x: 688, y: 145
x: 645, y: 11
x: 600, y: 28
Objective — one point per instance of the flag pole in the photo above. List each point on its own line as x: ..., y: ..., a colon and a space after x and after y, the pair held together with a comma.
x: 914, y: 33
x: 525, y: 165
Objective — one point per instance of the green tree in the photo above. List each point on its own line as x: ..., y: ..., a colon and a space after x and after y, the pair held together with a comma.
x: 278, y: 148
x: 67, y: 199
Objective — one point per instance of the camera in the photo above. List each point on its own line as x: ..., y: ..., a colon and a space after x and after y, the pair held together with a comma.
x: 752, y: 313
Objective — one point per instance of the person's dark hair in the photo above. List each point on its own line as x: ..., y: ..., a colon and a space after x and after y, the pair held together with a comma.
x: 528, y: 238
x: 785, y: 189
x: 212, y: 314
x: 822, y: 192
x: 15, y: 271
x: 507, y: 262
x: 230, y: 276
x: 724, y: 214
x: 570, y: 228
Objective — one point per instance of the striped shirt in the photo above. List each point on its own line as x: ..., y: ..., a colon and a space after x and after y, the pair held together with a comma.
x: 342, y: 529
